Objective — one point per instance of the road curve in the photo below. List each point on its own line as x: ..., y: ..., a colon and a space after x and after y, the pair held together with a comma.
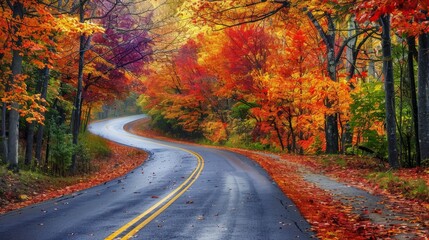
x: 180, y: 192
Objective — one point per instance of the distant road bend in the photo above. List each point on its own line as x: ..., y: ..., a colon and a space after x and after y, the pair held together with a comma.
x: 181, y: 192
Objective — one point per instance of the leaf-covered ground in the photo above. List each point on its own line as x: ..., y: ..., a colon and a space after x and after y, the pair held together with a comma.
x: 26, y: 188
x: 387, y: 212
x: 401, y: 210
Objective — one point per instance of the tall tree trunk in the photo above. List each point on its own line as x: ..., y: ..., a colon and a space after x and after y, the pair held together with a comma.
x: 331, y: 130
x: 29, y: 144
x: 3, y: 133
x: 423, y: 95
x: 351, y: 57
x: 41, y: 128
x: 77, y: 103
x: 331, y: 121
x: 292, y: 133
x: 16, y: 67
x: 390, y: 92
x: 411, y: 40
x: 279, y: 135
x: 87, y: 117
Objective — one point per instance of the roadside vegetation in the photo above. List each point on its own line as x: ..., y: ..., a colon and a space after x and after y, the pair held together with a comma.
x: 340, y: 87
x: 106, y: 161
x: 404, y: 190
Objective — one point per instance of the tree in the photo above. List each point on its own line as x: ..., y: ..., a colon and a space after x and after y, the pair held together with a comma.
x: 32, y: 30
x: 390, y: 92
x: 230, y: 13
x: 16, y: 76
x: 407, y: 17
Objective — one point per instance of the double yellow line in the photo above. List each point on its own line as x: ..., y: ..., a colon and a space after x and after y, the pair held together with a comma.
x: 132, y: 227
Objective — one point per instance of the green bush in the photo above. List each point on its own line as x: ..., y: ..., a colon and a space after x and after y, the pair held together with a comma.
x: 61, y: 150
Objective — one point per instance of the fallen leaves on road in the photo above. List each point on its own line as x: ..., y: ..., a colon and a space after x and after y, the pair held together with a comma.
x: 330, y: 218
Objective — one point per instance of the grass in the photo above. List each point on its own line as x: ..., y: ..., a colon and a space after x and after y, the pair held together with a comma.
x: 31, y: 181
x: 18, y: 186
x: 95, y: 146
x: 410, y: 184
x: 413, y: 189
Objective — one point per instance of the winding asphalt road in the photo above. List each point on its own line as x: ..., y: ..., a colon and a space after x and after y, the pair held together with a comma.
x: 180, y: 192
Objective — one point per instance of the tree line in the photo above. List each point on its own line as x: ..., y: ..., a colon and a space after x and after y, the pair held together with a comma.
x: 312, y: 76
x: 60, y: 61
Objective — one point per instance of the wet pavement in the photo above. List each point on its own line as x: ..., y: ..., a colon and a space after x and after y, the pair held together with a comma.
x: 232, y: 198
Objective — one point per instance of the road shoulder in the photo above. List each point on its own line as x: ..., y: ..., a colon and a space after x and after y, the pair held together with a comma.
x: 337, y: 204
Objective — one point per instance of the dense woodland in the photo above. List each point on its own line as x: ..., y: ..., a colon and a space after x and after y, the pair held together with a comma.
x: 304, y: 76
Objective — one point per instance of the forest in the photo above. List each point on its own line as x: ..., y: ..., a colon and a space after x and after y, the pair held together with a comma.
x: 297, y: 76
x: 305, y: 77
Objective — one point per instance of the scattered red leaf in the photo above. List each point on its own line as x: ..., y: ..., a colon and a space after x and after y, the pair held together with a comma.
x: 329, y: 218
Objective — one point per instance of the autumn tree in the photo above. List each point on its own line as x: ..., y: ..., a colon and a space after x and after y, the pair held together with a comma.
x: 236, y: 12
x: 406, y: 17
x: 23, y: 22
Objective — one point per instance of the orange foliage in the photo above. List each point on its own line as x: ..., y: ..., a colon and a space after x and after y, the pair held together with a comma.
x: 281, y: 80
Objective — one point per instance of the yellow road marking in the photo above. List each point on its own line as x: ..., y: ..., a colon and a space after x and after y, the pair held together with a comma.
x: 174, y: 195
x: 159, y: 211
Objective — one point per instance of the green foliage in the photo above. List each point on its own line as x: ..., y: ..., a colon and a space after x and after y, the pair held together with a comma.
x: 61, y: 149
x: 369, y: 115
x: 241, y: 110
x: 90, y: 147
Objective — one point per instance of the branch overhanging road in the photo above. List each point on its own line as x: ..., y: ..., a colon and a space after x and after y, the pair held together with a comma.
x: 180, y: 192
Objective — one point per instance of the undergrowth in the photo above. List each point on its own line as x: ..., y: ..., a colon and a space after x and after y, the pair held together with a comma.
x: 413, y: 189
x: 95, y: 146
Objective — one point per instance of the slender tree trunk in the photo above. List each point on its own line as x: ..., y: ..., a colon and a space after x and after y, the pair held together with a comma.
x: 3, y: 133
x: 331, y: 130
x: 279, y: 136
x: 41, y: 128
x: 351, y: 56
x: 18, y: 12
x: 13, y: 137
x: 423, y: 95
x: 48, y: 142
x: 293, y: 135
x: 29, y: 144
x: 87, y: 117
x: 411, y: 40
x: 331, y: 121
x: 77, y: 103
x: 390, y: 92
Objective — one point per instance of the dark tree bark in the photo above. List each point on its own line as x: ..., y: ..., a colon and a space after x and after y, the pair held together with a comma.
x: 331, y: 121
x: 411, y: 40
x: 3, y: 139
x: 41, y: 128
x: 279, y: 135
x: 78, y: 99
x: 423, y: 95
x: 29, y: 144
x: 390, y: 92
